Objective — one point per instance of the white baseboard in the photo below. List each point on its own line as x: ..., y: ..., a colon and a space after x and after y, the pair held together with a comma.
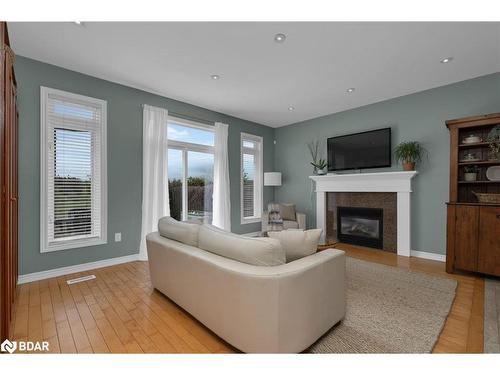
x: 426, y: 255
x: 56, y: 272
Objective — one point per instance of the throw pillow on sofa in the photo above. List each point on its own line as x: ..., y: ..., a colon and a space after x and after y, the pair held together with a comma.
x: 182, y: 231
x: 288, y: 212
x: 298, y: 243
x: 250, y: 250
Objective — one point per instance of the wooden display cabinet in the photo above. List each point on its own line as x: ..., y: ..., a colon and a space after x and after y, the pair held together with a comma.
x: 473, y: 228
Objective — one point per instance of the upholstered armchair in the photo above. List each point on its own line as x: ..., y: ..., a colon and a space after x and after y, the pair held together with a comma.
x: 291, y: 219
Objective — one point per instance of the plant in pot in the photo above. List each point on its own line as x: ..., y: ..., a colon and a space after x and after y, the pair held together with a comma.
x: 318, y: 163
x: 320, y: 166
x: 470, y: 173
x: 494, y: 139
x: 409, y: 154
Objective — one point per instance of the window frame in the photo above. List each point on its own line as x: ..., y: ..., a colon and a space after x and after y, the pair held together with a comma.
x: 45, y: 146
x: 185, y: 147
x: 259, y: 177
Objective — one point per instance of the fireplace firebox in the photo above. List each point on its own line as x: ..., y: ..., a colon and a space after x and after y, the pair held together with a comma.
x: 361, y: 226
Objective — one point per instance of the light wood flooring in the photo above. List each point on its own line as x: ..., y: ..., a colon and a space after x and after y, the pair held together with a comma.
x: 119, y: 312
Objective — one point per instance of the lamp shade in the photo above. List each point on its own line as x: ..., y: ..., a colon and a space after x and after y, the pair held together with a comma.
x: 272, y: 179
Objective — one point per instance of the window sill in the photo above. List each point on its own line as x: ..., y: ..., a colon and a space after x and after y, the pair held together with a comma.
x: 251, y: 220
x: 73, y: 245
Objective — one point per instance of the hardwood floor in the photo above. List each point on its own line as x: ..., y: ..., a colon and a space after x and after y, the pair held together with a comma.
x: 119, y: 312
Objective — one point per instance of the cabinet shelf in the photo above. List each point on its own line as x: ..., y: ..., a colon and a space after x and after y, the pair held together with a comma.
x: 479, y: 182
x: 472, y: 145
x: 480, y: 162
x: 475, y: 203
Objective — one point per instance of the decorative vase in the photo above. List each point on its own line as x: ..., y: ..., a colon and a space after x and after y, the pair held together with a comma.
x: 321, y: 172
x: 470, y: 176
x: 409, y: 166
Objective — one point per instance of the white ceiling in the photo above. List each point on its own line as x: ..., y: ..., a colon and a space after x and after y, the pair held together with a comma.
x: 260, y: 79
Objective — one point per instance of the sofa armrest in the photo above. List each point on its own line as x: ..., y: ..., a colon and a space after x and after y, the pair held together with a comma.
x: 301, y: 220
x: 301, y: 300
x: 311, y: 300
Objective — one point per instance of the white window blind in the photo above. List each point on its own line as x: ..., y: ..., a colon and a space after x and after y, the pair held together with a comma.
x: 251, y: 178
x: 73, y: 170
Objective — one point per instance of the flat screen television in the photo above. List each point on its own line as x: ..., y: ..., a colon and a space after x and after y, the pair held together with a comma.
x: 371, y: 149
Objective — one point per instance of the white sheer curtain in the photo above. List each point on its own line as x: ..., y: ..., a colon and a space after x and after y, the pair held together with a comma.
x: 221, y: 200
x: 155, y: 202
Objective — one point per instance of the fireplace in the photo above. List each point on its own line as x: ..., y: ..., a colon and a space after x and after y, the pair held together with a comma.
x: 369, y: 190
x: 361, y: 226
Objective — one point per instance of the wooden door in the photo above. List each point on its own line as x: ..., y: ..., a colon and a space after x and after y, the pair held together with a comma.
x: 3, y: 304
x: 12, y: 177
x: 466, y: 237
x: 8, y: 183
x: 489, y: 241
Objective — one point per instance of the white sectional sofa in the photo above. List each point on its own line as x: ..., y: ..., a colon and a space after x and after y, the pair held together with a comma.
x: 279, y: 308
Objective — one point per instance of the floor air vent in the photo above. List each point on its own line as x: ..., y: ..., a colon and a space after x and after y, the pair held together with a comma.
x: 80, y: 279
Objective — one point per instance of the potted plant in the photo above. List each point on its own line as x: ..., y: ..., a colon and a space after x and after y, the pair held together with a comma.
x: 409, y: 153
x: 470, y: 173
x: 318, y: 163
x: 320, y: 166
x: 494, y: 140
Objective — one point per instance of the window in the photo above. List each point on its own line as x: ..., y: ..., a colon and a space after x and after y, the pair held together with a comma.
x: 190, y: 170
x: 73, y: 170
x: 251, y: 178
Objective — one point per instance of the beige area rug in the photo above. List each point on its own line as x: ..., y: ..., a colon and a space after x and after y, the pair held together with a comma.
x: 492, y: 316
x: 389, y: 310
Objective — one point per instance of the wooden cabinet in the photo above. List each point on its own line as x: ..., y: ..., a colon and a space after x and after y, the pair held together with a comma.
x: 465, y: 220
x: 473, y: 238
x: 473, y: 228
x: 8, y: 183
x: 488, y: 260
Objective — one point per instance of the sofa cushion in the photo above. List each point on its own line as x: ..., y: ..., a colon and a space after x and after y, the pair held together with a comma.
x: 298, y: 243
x: 250, y: 250
x: 287, y: 224
x: 287, y: 212
x: 182, y: 231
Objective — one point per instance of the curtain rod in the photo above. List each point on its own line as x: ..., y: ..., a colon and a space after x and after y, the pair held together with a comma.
x: 186, y: 117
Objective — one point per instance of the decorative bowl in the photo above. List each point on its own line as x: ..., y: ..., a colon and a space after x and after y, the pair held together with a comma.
x: 472, y: 139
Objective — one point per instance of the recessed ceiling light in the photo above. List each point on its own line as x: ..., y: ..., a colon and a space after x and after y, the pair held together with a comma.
x: 446, y: 60
x: 350, y: 89
x: 79, y: 23
x: 279, y: 38
x: 291, y: 108
x: 215, y: 77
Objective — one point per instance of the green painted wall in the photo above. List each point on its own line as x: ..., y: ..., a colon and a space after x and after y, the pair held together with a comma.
x: 124, y: 161
x: 418, y: 117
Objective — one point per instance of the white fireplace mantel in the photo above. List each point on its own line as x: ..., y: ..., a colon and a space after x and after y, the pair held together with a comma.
x: 396, y: 182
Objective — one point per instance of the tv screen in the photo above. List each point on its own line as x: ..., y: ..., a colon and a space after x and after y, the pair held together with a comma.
x: 371, y: 149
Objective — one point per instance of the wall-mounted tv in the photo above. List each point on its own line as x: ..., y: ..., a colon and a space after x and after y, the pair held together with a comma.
x: 371, y: 149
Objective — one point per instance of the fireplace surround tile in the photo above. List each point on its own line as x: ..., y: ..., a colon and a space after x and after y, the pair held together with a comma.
x: 386, y: 201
